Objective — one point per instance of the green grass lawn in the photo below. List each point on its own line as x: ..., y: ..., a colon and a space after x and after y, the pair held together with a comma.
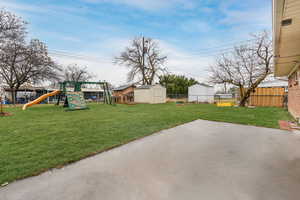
x: 46, y: 136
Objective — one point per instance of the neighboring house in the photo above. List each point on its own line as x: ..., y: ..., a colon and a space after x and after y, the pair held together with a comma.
x: 274, y: 83
x: 124, y: 94
x: 93, y: 93
x: 150, y: 94
x: 25, y: 93
x: 286, y: 36
x: 201, y: 93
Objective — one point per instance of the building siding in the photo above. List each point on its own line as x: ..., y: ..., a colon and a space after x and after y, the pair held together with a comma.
x: 294, y: 94
x: 200, y: 93
x: 124, y: 96
x: 153, y: 95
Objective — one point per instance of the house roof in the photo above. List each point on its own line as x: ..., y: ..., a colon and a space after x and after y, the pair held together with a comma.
x: 26, y: 87
x: 286, y: 36
x: 123, y: 87
x: 274, y: 83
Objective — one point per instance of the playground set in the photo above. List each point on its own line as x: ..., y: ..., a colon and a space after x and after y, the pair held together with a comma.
x: 73, y: 100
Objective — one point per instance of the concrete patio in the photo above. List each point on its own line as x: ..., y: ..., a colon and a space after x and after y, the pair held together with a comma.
x: 198, y: 160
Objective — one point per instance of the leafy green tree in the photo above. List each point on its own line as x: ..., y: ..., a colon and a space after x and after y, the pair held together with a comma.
x: 176, y: 84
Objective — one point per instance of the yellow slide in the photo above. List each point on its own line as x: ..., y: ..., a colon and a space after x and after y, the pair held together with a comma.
x: 40, y: 99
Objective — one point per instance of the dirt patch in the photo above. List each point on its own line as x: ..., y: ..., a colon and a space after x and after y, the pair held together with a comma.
x: 169, y: 100
x: 130, y: 103
x: 5, y: 114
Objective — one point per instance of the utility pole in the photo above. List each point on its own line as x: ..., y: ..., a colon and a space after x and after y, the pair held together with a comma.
x: 144, y: 51
x: 143, y: 60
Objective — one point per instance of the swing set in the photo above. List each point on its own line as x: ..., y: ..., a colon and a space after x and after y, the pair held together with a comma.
x: 74, y: 99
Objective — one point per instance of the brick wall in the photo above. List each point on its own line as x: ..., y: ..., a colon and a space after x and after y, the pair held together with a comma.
x: 124, y: 96
x: 294, y: 94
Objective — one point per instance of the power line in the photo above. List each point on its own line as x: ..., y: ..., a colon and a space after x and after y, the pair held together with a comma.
x: 79, y: 56
x: 108, y: 60
x: 207, y: 55
x: 213, y: 49
x: 232, y: 44
x: 202, y: 53
x: 65, y: 53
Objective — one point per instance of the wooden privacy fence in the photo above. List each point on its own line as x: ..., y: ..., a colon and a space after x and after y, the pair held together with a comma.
x: 268, y: 97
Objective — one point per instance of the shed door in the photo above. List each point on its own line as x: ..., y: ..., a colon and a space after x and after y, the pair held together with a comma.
x: 158, y: 95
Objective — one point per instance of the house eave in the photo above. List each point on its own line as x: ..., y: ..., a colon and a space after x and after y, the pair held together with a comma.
x: 286, y: 38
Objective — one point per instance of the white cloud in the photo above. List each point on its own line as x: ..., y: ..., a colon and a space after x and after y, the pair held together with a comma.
x: 149, y: 4
x: 57, y: 36
x: 248, y: 15
x: 195, y: 26
x: 185, y: 63
x: 9, y: 4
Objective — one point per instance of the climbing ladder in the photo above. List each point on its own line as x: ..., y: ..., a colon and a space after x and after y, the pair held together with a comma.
x: 107, y: 94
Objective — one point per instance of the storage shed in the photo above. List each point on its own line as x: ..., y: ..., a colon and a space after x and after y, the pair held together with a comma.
x: 150, y: 94
x: 201, y: 93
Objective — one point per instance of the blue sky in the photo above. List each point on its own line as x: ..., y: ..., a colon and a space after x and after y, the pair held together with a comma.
x: 190, y: 32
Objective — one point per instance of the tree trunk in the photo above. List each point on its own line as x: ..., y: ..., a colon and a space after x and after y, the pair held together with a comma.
x: 244, y: 97
x: 13, y: 95
x: 243, y: 101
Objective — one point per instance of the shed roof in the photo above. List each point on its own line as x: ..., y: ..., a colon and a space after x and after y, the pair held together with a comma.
x: 144, y: 87
x: 123, y: 87
x: 202, y: 84
x: 148, y: 86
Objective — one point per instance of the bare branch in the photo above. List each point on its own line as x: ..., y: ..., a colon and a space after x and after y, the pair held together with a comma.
x: 246, y: 66
x: 144, y: 61
x: 76, y: 73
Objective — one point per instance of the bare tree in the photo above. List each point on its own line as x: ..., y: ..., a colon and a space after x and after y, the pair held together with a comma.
x: 246, y: 66
x: 20, y: 61
x: 11, y: 26
x: 76, y: 73
x: 25, y: 63
x: 144, y: 60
